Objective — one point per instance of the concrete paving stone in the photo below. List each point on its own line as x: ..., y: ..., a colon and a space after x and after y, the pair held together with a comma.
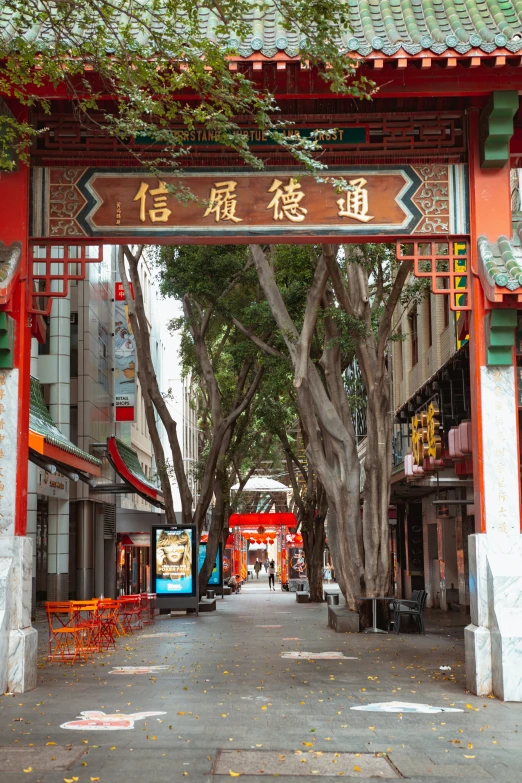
x: 228, y: 642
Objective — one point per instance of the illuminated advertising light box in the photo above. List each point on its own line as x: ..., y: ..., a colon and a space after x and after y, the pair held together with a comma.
x: 174, y: 558
x: 216, y: 577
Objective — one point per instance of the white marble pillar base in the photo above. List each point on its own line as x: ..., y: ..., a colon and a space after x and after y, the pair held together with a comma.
x: 21, y: 668
x: 477, y: 641
x: 494, y: 639
x: 18, y: 639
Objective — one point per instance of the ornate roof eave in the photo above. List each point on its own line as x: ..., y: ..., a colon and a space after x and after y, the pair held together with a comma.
x: 400, y: 59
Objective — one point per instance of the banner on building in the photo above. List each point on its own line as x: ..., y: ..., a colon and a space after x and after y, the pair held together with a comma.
x: 124, y: 358
x: 216, y: 575
x: 174, y: 549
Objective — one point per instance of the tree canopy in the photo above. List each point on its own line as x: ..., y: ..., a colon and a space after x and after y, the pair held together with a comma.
x: 146, y: 69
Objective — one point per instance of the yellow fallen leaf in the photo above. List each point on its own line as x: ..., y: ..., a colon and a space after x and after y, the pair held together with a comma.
x: 234, y: 774
x: 225, y: 672
x: 470, y: 745
x: 50, y: 743
x: 469, y: 706
x: 468, y: 757
x: 372, y: 728
x: 356, y: 769
x: 223, y: 714
x: 264, y: 707
x: 181, y: 713
x: 308, y: 744
x: 94, y: 779
x: 67, y: 780
x: 113, y: 747
x: 29, y: 769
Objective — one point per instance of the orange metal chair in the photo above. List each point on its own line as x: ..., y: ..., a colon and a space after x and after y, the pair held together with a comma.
x: 108, y: 614
x: 131, y: 612
x: 87, y: 621
x: 62, y: 640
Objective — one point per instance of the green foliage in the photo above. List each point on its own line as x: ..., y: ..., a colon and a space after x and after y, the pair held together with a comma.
x: 152, y: 68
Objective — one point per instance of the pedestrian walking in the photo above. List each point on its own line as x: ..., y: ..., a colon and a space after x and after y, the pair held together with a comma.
x: 271, y: 575
x: 266, y: 564
x: 257, y: 568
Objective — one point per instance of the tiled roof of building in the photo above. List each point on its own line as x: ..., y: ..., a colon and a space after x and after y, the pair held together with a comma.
x: 40, y: 421
x: 386, y: 27
x: 502, y: 260
x: 132, y: 463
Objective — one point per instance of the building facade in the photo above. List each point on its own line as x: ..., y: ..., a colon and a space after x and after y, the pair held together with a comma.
x: 91, y: 535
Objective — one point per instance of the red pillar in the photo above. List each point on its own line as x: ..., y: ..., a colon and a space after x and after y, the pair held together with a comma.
x: 14, y: 227
x: 490, y: 215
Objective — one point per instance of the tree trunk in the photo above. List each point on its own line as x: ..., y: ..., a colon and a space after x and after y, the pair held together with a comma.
x: 326, y: 417
x: 313, y: 544
x: 376, y: 492
x: 215, y: 533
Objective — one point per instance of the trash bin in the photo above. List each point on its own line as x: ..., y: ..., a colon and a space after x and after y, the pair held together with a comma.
x: 212, y: 594
x: 332, y: 599
x: 300, y: 587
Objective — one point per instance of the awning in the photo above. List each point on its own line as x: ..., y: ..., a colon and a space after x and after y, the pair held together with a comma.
x: 283, y: 519
x: 263, y: 484
x: 125, y: 462
x: 46, y: 439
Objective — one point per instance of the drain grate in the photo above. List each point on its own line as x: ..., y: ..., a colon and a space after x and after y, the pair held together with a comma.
x: 313, y: 763
x: 40, y: 759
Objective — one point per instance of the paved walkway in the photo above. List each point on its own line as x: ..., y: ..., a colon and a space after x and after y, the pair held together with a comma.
x: 226, y: 688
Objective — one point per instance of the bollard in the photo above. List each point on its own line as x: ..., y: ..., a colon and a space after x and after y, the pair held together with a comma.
x: 332, y: 599
x: 211, y: 594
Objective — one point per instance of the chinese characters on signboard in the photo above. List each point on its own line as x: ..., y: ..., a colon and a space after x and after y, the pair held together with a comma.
x: 124, y: 358
x: 285, y: 203
x: 174, y: 553
x: 276, y: 202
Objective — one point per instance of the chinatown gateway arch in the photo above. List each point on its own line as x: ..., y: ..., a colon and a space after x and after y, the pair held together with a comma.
x: 429, y: 161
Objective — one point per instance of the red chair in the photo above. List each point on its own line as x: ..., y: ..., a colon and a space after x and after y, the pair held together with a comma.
x: 130, y: 610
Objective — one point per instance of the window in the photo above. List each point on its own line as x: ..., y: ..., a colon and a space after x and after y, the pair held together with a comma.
x: 414, y: 336
x: 430, y: 331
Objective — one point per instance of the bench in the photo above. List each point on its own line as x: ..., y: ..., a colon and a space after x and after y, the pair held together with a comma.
x: 343, y: 620
x: 302, y: 597
x: 207, y: 605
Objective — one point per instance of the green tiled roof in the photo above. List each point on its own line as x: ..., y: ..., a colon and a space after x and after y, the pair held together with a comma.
x: 502, y: 260
x: 9, y: 258
x: 40, y: 421
x: 132, y: 463
x: 376, y: 26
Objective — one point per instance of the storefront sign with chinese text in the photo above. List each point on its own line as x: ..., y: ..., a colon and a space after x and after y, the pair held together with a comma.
x: 229, y: 204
